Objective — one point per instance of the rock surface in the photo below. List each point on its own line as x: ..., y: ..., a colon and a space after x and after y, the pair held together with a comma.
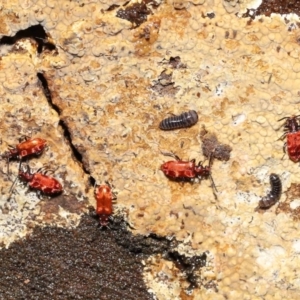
x: 95, y: 78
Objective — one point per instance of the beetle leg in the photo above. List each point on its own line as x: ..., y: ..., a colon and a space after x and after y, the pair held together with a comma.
x: 284, y: 148
x: 182, y: 181
x: 20, y: 163
x: 24, y: 138
x: 8, y: 166
x: 38, y: 153
x: 39, y: 195
x: 211, y: 158
x: 11, y: 190
x: 213, y: 183
x: 282, y: 136
x: 114, y: 196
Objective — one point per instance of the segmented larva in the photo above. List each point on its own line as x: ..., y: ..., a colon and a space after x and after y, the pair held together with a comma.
x: 183, y: 120
x: 275, y: 193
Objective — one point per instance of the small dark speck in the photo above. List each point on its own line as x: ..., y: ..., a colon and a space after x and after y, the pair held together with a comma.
x: 278, y: 49
x: 211, y: 15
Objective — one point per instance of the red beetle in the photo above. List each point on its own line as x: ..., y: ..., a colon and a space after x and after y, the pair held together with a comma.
x: 31, y: 146
x: 186, y: 170
x: 292, y: 132
x: 28, y: 147
x: 104, y: 197
x: 41, y: 182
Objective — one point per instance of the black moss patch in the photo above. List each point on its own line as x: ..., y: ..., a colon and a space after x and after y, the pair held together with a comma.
x: 87, y: 262
x: 81, y: 263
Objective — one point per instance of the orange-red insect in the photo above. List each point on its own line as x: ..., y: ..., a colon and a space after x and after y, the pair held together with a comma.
x: 104, y: 197
x: 186, y: 170
x: 28, y: 147
x: 292, y: 133
x: 41, y: 182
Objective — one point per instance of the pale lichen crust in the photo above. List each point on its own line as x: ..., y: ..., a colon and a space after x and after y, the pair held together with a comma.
x: 112, y: 80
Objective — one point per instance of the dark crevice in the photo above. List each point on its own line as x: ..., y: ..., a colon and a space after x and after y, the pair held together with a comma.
x: 77, y: 155
x: 154, y: 244
x: 47, y: 92
x: 92, y: 181
x: 36, y: 32
x: 74, y: 150
x: 190, y: 266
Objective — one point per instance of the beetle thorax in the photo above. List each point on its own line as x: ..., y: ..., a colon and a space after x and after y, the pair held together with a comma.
x: 202, y: 170
x: 292, y: 125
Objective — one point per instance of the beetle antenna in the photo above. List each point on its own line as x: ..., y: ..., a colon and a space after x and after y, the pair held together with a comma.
x: 211, y: 158
x: 297, y: 116
x: 172, y: 154
x: 20, y: 163
x: 12, y: 186
x: 8, y: 166
x: 209, y: 164
x: 213, y: 183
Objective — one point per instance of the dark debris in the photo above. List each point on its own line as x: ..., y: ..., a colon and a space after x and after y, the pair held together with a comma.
x: 268, y: 7
x: 175, y: 63
x: 164, y: 85
x: 190, y: 266
x: 211, y: 146
x: 136, y: 13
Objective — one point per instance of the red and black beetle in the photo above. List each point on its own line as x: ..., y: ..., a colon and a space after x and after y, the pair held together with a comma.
x: 30, y: 146
x: 186, y: 170
x: 40, y: 181
x: 292, y: 133
x: 104, y: 197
